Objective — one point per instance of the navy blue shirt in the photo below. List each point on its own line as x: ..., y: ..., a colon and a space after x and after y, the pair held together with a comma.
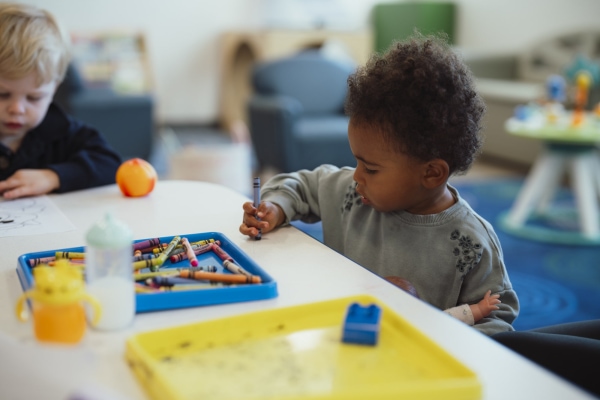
x: 78, y: 153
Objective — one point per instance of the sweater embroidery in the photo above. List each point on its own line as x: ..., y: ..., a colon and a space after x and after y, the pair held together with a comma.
x: 351, y: 198
x: 467, y: 252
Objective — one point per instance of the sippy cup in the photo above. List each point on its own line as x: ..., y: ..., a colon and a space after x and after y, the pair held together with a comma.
x: 57, y: 296
x: 109, y: 275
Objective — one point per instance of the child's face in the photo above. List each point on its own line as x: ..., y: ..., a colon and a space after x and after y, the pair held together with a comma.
x: 387, y: 180
x: 23, y: 105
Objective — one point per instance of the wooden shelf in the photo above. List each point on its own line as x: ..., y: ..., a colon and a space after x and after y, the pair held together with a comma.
x: 118, y: 59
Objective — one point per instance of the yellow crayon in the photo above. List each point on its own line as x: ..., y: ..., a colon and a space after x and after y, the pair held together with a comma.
x: 139, y: 288
x: 165, y: 254
x: 202, y: 242
x: 218, y: 277
x: 152, y: 263
x: 69, y: 255
x: 159, y: 249
x: 70, y: 264
x: 181, y: 288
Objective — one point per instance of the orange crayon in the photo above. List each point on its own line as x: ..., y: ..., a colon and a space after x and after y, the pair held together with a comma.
x: 217, y: 277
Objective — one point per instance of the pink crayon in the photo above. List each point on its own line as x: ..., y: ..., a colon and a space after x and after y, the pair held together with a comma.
x: 43, y: 260
x: 220, y: 252
x: 198, y: 250
x: 189, y: 252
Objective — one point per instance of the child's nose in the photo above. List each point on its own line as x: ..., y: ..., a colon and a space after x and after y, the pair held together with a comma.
x: 356, y: 176
x: 16, y: 107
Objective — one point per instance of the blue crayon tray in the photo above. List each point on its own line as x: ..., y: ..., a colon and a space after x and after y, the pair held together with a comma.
x: 146, y: 302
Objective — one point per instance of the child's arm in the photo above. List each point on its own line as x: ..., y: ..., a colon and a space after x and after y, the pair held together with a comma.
x: 270, y: 214
x: 485, y: 306
x: 29, y: 182
x: 471, y: 313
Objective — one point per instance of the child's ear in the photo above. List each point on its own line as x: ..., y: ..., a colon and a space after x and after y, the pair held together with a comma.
x: 436, y: 173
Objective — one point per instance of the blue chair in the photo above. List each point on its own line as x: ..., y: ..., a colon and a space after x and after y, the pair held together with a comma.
x: 126, y: 121
x: 296, y: 112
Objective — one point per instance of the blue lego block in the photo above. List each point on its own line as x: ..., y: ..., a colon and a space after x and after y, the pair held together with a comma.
x: 362, y: 324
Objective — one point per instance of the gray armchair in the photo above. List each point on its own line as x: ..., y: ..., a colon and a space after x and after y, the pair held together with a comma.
x: 296, y: 112
x: 126, y: 121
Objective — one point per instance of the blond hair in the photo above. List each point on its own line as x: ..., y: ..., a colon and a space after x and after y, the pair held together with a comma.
x: 32, y: 41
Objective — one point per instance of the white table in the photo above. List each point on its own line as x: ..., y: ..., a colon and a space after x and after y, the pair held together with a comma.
x: 29, y: 370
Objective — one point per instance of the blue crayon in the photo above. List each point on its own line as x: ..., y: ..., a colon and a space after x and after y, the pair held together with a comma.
x: 160, y: 281
x: 146, y: 256
x: 256, y: 187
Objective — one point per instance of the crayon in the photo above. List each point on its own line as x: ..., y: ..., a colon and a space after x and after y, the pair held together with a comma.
x: 146, y: 243
x: 220, y: 252
x: 42, y: 260
x: 152, y: 264
x: 189, y: 252
x: 256, y: 187
x: 195, y: 245
x: 146, y: 250
x: 236, y: 269
x: 142, y: 276
x: 159, y: 281
x: 217, y: 277
x: 165, y: 254
x: 147, y: 256
x: 198, y: 286
x: 203, y: 242
x: 139, y: 288
x: 207, y: 268
x: 159, y: 249
x: 69, y: 255
x: 197, y: 251
x: 137, y: 253
x: 173, y: 277
x: 70, y: 264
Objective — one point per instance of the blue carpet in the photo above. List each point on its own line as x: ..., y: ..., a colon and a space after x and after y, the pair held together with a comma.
x: 555, y: 283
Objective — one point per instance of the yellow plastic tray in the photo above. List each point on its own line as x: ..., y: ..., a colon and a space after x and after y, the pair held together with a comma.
x: 296, y: 353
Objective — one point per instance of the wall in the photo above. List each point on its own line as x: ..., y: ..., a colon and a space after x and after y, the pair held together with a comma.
x: 183, y: 36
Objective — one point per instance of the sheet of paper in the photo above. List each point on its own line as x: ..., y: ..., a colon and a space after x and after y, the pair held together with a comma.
x: 32, y: 216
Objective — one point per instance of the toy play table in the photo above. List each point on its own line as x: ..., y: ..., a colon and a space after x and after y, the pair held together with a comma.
x: 568, y: 150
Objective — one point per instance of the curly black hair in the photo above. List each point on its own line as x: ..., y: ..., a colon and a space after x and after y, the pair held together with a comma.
x: 421, y: 97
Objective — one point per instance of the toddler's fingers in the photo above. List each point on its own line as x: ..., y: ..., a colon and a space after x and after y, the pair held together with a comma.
x: 246, y: 230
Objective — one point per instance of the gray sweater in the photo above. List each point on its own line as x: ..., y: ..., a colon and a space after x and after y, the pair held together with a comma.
x: 451, y: 258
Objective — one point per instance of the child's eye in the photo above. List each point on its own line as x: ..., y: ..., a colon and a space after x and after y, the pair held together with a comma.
x: 4, y: 95
x: 370, y: 171
x: 33, y: 99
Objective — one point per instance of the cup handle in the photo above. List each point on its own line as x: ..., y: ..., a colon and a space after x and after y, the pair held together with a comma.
x: 96, y: 305
x: 22, y: 315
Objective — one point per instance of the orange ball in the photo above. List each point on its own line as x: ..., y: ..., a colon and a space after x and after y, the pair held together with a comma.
x: 136, y: 177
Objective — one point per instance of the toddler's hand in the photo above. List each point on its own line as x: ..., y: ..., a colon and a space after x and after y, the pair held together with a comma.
x: 271, y: 216
x: 403, y: 284
x: 29, y: 182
